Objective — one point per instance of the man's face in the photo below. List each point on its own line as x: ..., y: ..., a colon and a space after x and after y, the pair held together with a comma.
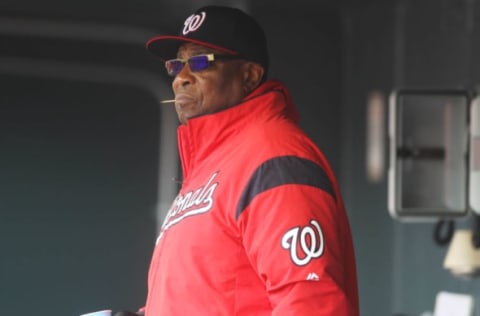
x: 207, y: 91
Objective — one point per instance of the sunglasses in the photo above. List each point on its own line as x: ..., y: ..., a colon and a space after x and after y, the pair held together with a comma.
x: 196, y: 63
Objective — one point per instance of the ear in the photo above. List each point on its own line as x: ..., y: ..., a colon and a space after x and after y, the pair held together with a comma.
x: 252, y: 76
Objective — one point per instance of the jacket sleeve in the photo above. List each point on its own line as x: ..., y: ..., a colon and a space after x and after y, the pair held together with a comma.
x: 297, y: 237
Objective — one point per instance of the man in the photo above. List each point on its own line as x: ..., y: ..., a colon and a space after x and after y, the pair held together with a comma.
x: 259, y: 226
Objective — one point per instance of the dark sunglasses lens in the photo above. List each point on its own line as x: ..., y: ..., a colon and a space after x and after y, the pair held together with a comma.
x: 174, y: 66
x: 197, y: 63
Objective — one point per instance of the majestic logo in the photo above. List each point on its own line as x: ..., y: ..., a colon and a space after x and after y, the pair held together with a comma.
x: 305, y: 243
x: 312, y: 276
x: 193, y: 22
x: 191, y: 203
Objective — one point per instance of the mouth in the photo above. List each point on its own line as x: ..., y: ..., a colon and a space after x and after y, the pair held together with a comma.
x: 183, y: 99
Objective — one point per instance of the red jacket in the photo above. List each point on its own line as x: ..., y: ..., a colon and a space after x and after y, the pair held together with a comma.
x: 259, y: 226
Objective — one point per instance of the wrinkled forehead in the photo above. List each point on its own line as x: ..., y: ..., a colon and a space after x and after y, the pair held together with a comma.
x: 191, y: 49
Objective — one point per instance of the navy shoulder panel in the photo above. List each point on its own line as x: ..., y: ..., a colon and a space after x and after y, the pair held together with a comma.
x: 284, y: 170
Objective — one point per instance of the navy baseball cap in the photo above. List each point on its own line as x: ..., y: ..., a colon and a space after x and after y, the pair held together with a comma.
x: 226, y: 29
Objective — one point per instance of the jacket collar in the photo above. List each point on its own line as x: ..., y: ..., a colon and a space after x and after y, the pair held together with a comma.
x: 202, y: 135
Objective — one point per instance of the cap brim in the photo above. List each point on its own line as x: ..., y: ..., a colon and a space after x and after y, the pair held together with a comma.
x: 166, y: 46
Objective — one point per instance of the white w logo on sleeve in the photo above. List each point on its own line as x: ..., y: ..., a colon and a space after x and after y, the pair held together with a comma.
x: 304, y: 243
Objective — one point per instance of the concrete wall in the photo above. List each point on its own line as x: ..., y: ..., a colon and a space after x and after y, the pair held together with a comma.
x: 403, y: 44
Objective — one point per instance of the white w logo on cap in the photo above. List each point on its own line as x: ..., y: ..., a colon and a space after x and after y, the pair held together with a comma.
x: 193, y: 22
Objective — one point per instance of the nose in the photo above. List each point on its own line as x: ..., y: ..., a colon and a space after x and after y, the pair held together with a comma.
x: 183, y: 78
